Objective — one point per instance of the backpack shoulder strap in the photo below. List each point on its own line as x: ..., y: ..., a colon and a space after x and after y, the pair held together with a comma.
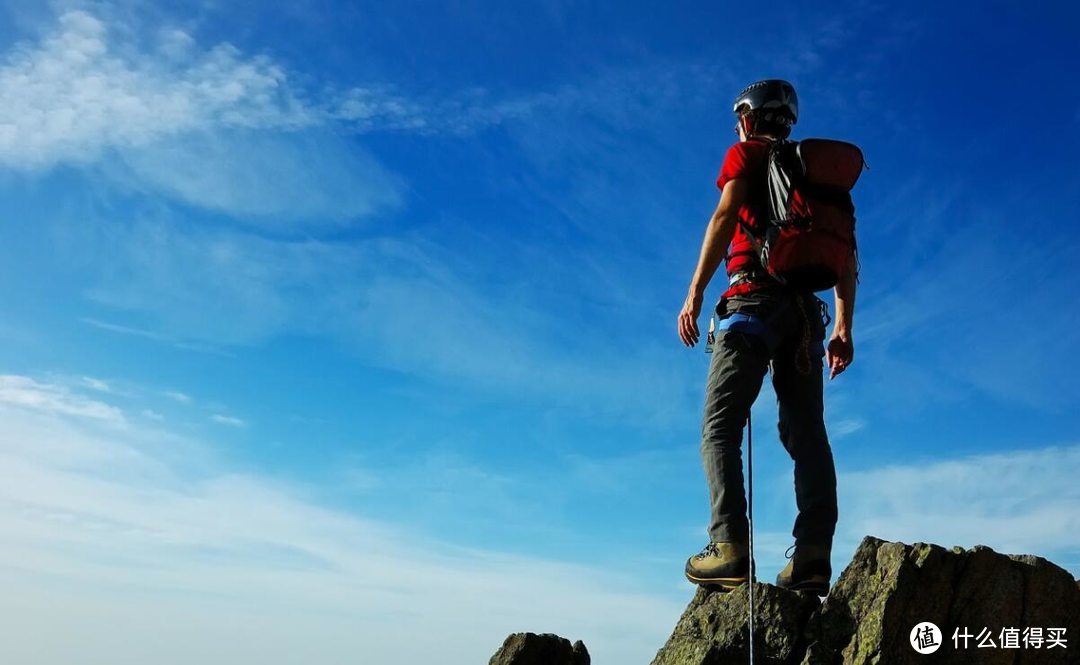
x: 782, y: 176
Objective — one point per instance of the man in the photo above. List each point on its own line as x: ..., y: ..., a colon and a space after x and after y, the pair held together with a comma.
x: 764, y: 325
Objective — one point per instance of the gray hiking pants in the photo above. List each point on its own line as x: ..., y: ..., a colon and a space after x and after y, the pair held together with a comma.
x: 783, y: 331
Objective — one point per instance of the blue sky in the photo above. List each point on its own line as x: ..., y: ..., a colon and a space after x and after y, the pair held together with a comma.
x: 348, y: 331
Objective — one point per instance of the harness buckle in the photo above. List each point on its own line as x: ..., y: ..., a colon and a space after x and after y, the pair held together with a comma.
x: 744, y: 276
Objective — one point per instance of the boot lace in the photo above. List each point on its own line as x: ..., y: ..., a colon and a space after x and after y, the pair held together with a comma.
x: 712, y: 548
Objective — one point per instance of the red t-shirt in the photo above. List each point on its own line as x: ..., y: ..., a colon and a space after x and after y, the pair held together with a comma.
x: 746, y: 159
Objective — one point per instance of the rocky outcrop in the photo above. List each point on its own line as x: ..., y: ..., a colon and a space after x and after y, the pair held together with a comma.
x: 876, y: 602
x: 1019, y: 604
x: 714, y: 627
x: 545, y: 649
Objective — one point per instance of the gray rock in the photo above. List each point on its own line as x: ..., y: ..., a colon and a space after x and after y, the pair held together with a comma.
x: 714, y: 629
x: 888, y: 588
x: 545, y: 649
x: 875, y: 603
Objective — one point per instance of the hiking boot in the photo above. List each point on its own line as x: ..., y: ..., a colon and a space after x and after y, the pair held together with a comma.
x: 807, y: 570
x: 724, y: 565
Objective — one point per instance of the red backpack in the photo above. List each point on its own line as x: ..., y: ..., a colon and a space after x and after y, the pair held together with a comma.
x: 808, y: 238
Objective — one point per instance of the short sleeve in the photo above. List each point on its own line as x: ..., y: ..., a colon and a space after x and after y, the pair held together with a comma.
x: 736, y: 164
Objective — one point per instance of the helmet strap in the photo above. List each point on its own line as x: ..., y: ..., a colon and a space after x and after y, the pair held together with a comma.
x: 747, y: 124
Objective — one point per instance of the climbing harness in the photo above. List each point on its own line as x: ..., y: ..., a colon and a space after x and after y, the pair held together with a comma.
x: 754, y: 325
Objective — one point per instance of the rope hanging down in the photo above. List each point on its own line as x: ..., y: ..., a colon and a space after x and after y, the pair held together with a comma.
x: 750, y: 507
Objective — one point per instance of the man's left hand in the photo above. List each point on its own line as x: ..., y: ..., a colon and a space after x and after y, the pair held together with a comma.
x: 840, y: 353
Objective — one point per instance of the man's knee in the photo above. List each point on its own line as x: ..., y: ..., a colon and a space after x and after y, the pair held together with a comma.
x: 802, y: 436
x: 723, y: 430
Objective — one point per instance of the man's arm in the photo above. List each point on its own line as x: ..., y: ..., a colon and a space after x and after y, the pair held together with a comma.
x: 718, y: 236
x: 841, y: 349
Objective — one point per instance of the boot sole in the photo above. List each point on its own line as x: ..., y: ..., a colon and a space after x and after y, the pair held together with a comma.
x: 726, y: 583
x: 820, y: 588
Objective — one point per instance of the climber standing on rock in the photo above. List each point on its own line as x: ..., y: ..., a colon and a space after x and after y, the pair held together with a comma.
x: 780, y: 247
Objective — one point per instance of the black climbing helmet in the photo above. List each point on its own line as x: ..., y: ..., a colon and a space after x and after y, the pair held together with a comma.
x: 772, y: 100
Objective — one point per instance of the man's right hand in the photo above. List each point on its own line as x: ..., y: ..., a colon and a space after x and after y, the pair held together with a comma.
x: 688, y: 329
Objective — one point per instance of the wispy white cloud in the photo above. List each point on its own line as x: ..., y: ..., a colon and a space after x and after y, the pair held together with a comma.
x: 211, y: 127
x: 231, y: 421
x: 87, y: 86
x: 70, y: 96
x: 51, y: 398
x: 153, y: 336
x: 178, y: 396
x: 95, y: 384
x: 846, y: 426
x: 371, y: 108
x: 132, y: 534
x: 282, y: 179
